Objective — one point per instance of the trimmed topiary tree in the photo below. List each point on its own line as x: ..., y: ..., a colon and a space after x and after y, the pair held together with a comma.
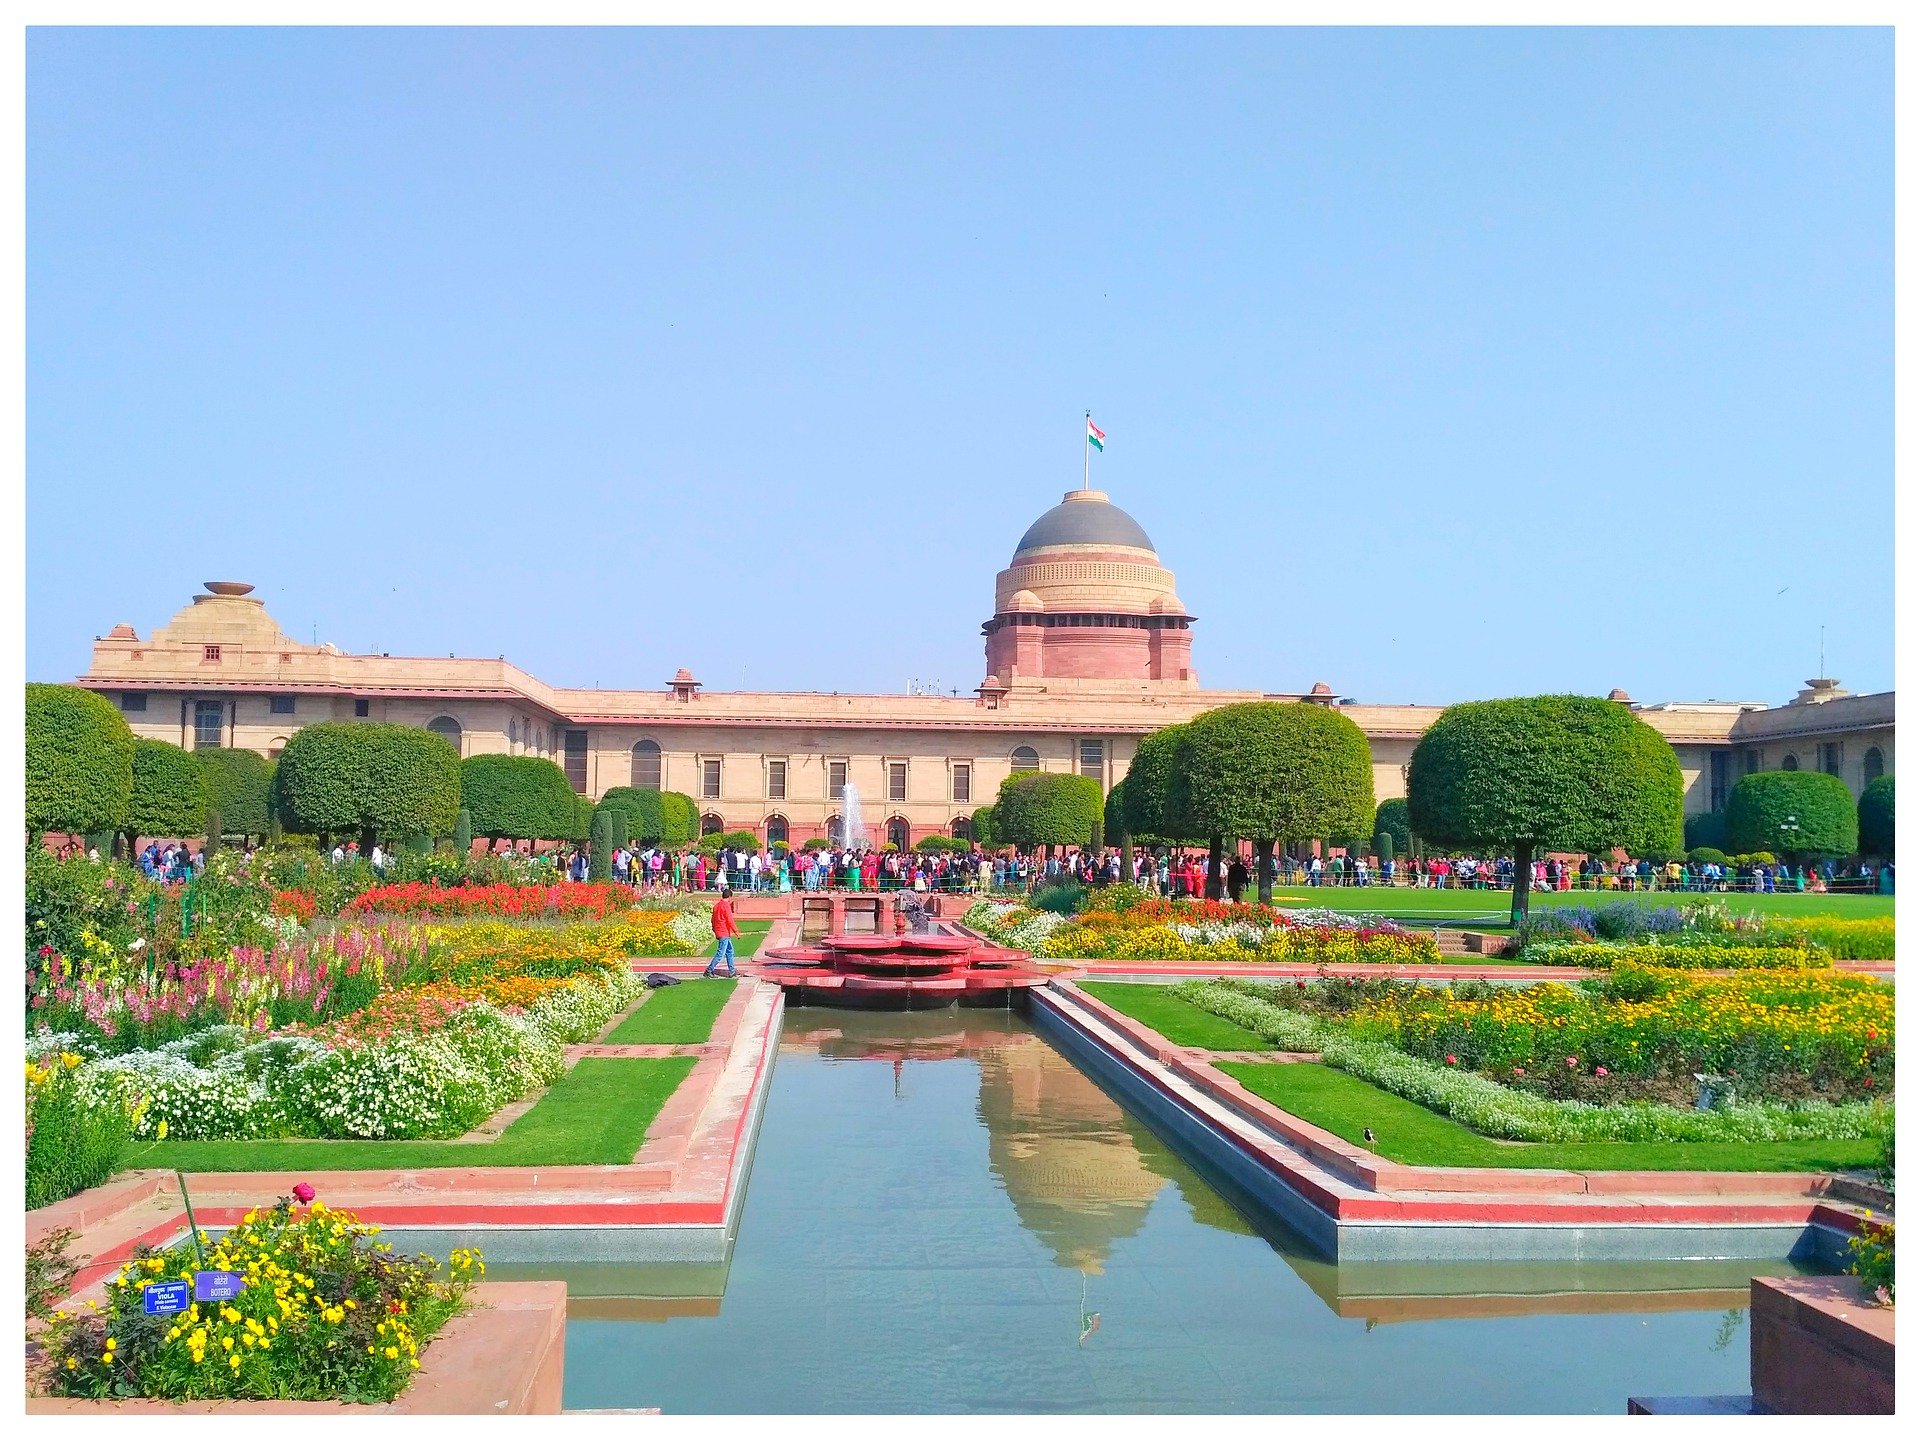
x: 463, y: 833
x: 341, y: 777
x: 600, y: 861
x: 516, y: 797
x: 1559, y: 772
x: 1149, y: 788
x: 1273, y: 772
x: 1797, y: 814
x: 1044, y: 808
x: 1390, y: 818
x: 169, y: 799
x: 986, y: 828
x: 1383, y: 846
x: 1876, y: 819
x: 240, y: 787
x: 619, y: 828
x: 1708, y: 828
x: 79, y: 761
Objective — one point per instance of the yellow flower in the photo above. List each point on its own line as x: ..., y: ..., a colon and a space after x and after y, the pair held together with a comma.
x: 112, y: 1344
x: 393, y: 1352
x: 160, y: 1131
x: 72, y: 1364
x: 69, y: 1059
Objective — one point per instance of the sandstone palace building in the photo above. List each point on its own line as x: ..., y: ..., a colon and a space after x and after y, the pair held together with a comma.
x: 1088, y: 648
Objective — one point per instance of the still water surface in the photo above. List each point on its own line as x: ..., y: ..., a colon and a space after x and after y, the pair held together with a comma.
x: 945, y: 1215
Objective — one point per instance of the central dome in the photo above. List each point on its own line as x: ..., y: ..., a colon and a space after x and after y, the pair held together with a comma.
x: 1085, y: 517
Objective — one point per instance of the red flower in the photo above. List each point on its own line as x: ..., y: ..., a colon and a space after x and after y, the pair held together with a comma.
x: 1453, y: 1059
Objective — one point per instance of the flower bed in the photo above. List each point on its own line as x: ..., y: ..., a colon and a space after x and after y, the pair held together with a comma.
x: 482, y: 949
x: 1703, y: 953
x: 594, y: 901
x: 325, y: 1313
x: 1201, y: 932
x: 1866, y: 939
x: 1492, y: 1104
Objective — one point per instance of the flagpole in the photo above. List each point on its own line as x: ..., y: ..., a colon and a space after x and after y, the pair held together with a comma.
x: 1086, y: 453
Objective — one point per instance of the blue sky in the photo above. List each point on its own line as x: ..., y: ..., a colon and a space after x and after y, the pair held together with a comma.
x: 1439, y: 364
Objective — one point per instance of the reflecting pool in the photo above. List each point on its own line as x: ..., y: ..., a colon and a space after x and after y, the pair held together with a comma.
x: 946, y: 1215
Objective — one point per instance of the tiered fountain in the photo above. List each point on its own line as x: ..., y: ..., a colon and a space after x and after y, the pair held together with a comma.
x: 916, y: 967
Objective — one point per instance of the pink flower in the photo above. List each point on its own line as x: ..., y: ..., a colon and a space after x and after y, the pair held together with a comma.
x: 1453, y: 1059
x: 1572, y: 1063
x: 1519, y: 1070
x: 1601, y: 1071
x: 303, y: 1192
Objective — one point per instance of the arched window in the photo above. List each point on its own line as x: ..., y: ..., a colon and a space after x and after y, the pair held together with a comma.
x: 275, y: 746
x: 1872, y: 764
x: 963, y: 827
x: 1025, y: 758
x: 646, y: 765
x: 836, y: 830
x: 1792, y: 762
x: 899, y: 833
x: 711, y: 824
x: 513, y: 737
x: 447, y: 728
x: 776, y: 829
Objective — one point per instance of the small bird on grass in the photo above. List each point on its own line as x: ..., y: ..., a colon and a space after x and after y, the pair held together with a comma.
x: 1368, y: 1132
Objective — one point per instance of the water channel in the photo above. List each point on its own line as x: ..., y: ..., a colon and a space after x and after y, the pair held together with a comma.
x: 946, y: 1215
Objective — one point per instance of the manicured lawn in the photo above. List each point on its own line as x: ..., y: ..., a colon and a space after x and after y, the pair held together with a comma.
x: 746, y: 943
x: 597, y: 1114
x: 680, y: 1014
x: 1414, y: 1135
x: 1487, y: 909
x: 1173, y: 1017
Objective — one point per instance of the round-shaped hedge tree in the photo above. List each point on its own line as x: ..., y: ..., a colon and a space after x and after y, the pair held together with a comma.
x: 341, y: 777
x: 1550, y: 772
x: 1149, y: 788
x: 1043, y: 808
x: 169, y: 799
x: 239, y: 789
x: 1273, y: 772
x: 1797, y: 814
x: 516, y: 797
x: 79, y: 761
x: 1876, y: 819
x: 986, y: 829
x: 1391, y: 819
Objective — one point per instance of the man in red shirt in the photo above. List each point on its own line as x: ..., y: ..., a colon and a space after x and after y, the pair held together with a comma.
x: 724, y: 929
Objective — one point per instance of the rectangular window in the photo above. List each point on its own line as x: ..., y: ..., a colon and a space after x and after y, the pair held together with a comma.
x: 133, y: 702
x: 282, y: 705
x: 576, y: 766
x: 360, y: 709
x: 962, y: 784
x: 896, y: 780
x: 709, y: 779
x: 1753, y: 762
x: 209, y: 724
x: 776, y: 779
x: 1719, y: 773
x: 1830, y: 757
x: 1093, y: 756
x: 836, y: 779
x: 210, y: 652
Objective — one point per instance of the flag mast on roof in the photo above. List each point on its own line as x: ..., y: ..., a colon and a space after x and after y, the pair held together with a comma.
x: 1096, y: 440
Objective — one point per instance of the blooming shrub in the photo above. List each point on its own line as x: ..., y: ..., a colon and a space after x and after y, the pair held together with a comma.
x: 1701, y: 953
x: 295, y: 905
x: 480, y: 949
x: 1867, y: 939
x: 508, y: 902
x: 1483, y: 1104
x: 325, y: 1312
x: 1871, y: 1258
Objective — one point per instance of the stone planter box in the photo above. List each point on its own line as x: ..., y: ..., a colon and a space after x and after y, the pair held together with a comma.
x: 505, y: 1356
x: 1819, y: 1348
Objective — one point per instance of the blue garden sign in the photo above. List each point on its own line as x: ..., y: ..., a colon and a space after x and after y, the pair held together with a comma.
x: 167, y: 1297
x: 216, y: 1284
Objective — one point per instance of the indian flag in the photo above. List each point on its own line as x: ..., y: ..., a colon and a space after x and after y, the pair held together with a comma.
x: 1096, y: 437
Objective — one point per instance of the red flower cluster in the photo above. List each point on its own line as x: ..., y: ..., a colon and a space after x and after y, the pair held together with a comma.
x: 1196, y: 912
x: 593, y: 901
x: 296, y: 904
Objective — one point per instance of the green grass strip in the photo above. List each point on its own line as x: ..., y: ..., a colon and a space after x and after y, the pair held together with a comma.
x: 596, y: 1114
x: 680, y: 1014
x: 1414, y: 1135
x: 1180, y: 1022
